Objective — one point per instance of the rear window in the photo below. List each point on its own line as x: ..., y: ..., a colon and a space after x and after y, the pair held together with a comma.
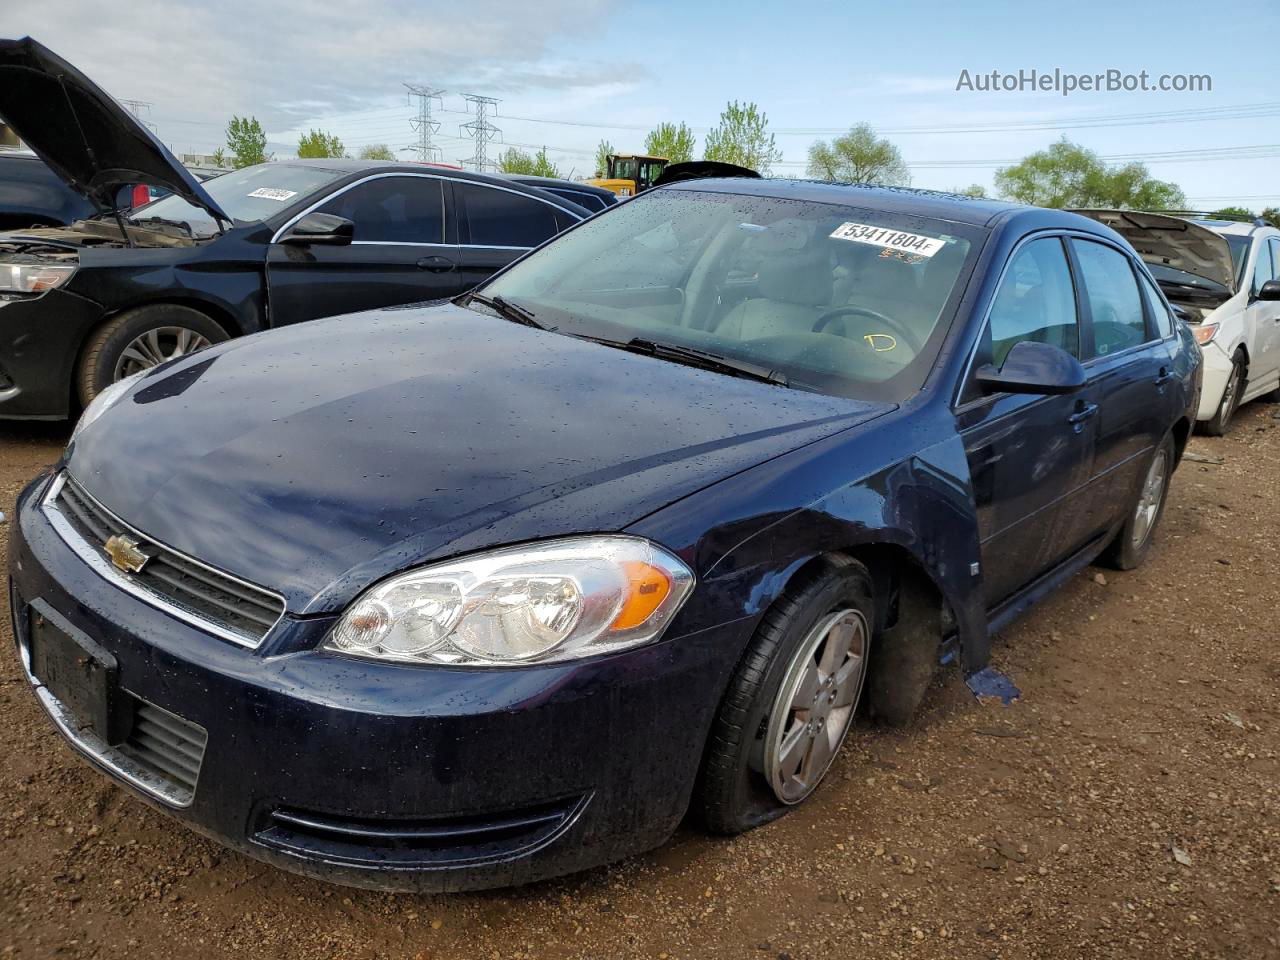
x: 503, y: 218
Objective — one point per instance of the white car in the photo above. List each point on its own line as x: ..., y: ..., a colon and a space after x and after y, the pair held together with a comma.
x: 1225, y: 278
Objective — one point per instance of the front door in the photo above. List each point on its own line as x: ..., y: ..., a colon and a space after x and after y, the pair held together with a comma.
x: 399, y: 254
x: 1263, y: 318
x: 1029, y: 456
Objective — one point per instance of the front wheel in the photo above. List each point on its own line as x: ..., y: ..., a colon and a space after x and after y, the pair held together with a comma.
x: 139, y: 339
x: 1134, y: 539
x: 1217, y: 427
x: 791, y: 700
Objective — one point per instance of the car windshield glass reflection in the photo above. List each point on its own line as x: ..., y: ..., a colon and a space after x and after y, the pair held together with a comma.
x: 247, y: 195
x: 841, y: 300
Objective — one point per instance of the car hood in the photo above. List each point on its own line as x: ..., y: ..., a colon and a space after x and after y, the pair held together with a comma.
x: 95, y: 145
x: 315, y: 459
x: 1172, y: 242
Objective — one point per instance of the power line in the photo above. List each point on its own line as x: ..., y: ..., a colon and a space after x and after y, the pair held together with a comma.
x: 423, y: 123
x: 480, y: 129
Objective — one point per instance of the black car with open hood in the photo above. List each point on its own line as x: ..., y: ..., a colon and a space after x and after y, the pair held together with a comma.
x: 87, y: 304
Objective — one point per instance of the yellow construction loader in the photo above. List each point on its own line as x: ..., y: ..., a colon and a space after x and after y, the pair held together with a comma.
x: 629, y: 173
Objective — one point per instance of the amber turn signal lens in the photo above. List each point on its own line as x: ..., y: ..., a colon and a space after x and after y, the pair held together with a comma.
x: 647, y: 587
x: 1204, y: 332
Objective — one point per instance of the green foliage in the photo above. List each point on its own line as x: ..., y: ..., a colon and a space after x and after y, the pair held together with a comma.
x: 219, y: 157
x: 603, y: 152
x: 671, y: 140
x: 376, y: 151
x: 1230, y: 213
x: 743, y: 137
x: 972, y: 190
x: 317, y: 143
x: 537, y: 165
x: 1272, y: 216
x: 247, y: 142
x: 1068, y: 175
x: 859, y: 157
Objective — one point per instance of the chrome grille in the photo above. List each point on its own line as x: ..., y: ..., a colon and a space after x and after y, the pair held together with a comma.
x: 216, y: 601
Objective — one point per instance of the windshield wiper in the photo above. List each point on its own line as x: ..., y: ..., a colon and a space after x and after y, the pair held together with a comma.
x: 164, y: 221
x: 697, y: 358
x: 508, y: 310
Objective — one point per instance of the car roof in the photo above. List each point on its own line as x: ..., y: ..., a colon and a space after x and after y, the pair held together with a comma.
x: 1230, y: 227
x: 533, y: 180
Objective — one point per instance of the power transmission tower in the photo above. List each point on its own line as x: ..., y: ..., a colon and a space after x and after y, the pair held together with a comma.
x: 480, y: 130
x: 423, y: 123
x: 140, y: 109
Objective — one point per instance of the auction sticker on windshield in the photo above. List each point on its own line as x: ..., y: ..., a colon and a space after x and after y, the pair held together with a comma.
x: 890, y: 239
x: 274, y: 193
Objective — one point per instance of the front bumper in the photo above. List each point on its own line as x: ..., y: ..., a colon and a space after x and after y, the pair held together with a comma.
x: 39, y: 342
x: 1217, y: 371
x: 392, y: 776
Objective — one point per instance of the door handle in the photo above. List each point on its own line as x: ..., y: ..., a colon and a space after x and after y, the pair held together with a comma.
x: 1165, y: 376
x: 1082, y: 416
x: 436, y: 264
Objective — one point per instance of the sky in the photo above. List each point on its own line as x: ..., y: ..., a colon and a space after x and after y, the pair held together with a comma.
x: 569, y: 73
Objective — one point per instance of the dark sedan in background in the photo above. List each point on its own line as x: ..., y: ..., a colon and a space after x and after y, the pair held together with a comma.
x: 84, y: 305
x: 472, y: 594
x: 33, y: 195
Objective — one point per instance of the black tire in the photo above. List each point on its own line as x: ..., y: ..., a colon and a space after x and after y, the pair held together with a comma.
x: 1230, y: 402
x: 103, y: 352
x: 1127, y: 550
x: 734, y: 794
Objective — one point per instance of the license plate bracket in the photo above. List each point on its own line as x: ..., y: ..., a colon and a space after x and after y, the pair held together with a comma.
x: 78, y: 671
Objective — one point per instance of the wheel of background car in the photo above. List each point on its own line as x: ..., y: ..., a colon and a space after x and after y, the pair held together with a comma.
x: 1130, y: 546
x: 1230, y: 399
x: 898, y: 328
x: 139, y: 339
x: 791, y: 700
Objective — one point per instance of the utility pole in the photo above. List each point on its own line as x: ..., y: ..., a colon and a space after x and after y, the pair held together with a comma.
x: 423, y: 123
x: 480, y: 129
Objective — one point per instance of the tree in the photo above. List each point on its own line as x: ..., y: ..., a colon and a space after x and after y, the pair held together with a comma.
x: 973, y: 190
x: 219, y: 157
x: 859, y: 157
x: 603, y: 152
x: 670, y: 140
x: 1068, y: 175
x: 1231, y: 213
x: 537, y: 165
x: 376, y: 151
x: 317, y: 143
x: 247, y: 142
x: 1272, y: 216
x: 743, y: 137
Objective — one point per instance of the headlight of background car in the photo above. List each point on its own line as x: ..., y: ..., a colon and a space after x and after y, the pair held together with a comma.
x: 102, y: 403
x: 556, y: 600
x: 33, y: 277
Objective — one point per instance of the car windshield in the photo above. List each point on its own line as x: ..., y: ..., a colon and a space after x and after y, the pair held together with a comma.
x: 247, y: 195
x: 837, y: 299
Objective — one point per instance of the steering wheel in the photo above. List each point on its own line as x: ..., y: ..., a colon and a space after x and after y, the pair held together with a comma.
x: 898, y: 328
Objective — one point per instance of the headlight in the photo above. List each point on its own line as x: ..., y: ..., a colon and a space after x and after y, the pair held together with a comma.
x: 1204, y: 332
x: 557, y: 600
x: 102, y: 403
x: 33, y: 277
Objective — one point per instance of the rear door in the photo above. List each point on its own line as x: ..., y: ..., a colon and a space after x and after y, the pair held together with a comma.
x: 1030, y: 456
x: 400, y: 253
x: 1131, y: 380
x: 497, y: 225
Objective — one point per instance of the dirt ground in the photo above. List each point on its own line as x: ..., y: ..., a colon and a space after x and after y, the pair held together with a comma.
x: 1127, y: 806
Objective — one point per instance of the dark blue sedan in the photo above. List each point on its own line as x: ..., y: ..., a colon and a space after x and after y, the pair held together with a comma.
x: 473, y: 593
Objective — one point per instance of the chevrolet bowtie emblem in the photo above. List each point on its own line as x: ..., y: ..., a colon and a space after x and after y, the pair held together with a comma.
x: 124, y: 554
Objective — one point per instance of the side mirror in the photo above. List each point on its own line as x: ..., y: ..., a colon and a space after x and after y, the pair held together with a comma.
x: 1032, y: 367
x: 322, y: 228
x: 1269, y: 290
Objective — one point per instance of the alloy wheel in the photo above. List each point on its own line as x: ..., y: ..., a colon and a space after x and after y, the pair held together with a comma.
x: 155, y: 347
x: 1228, y: 409
x: 815, y: 704
x: 1149, y: 500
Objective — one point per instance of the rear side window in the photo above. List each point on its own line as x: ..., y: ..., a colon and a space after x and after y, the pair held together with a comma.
x: 1112, y: 293
x: 498, y: 218
x: 393, y: 210
x: 1035, y: 302
x: 1159, y: 312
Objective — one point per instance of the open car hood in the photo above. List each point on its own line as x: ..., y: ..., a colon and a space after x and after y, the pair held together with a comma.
x: 1172, y: 242
x: 90, y: 141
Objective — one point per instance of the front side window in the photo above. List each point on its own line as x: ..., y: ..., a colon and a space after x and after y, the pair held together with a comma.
x: 501, y: 218
x: 393, y: 210
x: 1263, y: 268
x: 842, y: 300
x: 1112, y: 293
x: 1163, y: 320
x: 1035, y: 302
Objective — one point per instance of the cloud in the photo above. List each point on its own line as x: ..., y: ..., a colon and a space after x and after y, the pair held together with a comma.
x: 293, y: 61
